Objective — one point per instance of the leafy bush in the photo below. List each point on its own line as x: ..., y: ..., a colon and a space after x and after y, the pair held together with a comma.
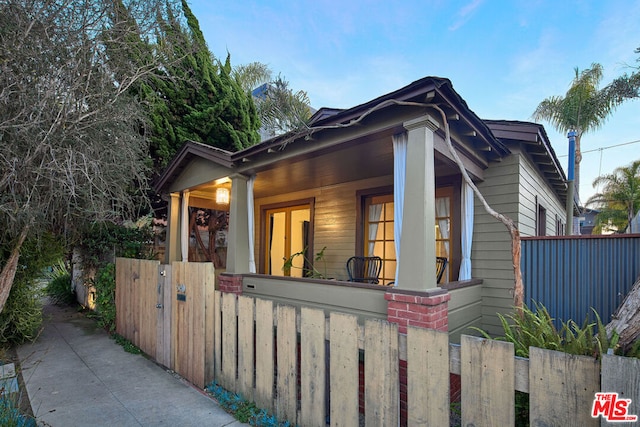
x: 105, y: 284
x: 103, y: 242
x: 21, y: 317
x: 535, y: 328
x: 59, y: 287
x: 10, y: 415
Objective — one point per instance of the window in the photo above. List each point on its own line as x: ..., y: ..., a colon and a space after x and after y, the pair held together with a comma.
x: 378, y: 230
x: 378, y: 234
x: 287, y: 232
x: 541, y: 220
x: 444, y: 196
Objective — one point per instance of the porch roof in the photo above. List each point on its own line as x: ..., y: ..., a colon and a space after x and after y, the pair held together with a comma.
x: 429, y: 90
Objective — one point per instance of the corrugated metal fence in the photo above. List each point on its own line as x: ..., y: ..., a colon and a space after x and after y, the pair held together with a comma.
x: 569, y: 275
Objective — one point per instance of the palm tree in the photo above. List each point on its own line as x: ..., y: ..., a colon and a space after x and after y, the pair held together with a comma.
x: 584, y: 108
x: 620, y: 196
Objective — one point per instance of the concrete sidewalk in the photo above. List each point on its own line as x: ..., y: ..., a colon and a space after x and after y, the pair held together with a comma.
x: 76, y: 375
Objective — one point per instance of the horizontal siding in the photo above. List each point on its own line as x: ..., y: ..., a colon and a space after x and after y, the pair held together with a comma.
x: 465, y: 311
x: 491, y: 250
x: 532, y: 186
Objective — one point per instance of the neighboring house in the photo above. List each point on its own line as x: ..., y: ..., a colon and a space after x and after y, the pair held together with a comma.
x: 333, y: 187
x: 588, y: 220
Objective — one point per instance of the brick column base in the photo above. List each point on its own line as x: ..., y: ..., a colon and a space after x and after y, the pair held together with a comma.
x: 428, y: 309
x: 230, y: 283
x: 423, y: 309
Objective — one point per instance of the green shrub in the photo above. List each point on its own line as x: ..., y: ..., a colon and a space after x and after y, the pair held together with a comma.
x: 10, y: 415
x: 105, y: 284
x: 59, y: 289
x: 127, y: 345
x: 535, y: 328
x: 21, y: 318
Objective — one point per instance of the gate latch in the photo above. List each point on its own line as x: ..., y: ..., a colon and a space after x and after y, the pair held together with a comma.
x: 159, y: 306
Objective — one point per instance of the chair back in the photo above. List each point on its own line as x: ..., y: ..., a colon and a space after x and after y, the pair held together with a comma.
x: 441, y: 266
x: 364, y: 269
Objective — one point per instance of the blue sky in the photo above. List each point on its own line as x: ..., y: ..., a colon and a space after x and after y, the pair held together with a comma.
x: 503, y: 57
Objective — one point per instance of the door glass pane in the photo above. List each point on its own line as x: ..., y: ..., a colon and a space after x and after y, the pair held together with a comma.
x: 277, y: 221
x: 298, y: 242
x: 288, y: 234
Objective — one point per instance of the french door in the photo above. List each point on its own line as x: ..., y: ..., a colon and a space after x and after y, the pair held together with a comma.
x: 287, y: 233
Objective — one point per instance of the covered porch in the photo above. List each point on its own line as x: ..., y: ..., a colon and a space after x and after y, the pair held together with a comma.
x: 362, y: 182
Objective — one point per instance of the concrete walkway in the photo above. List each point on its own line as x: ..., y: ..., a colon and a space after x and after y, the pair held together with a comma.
x: 76, y: 375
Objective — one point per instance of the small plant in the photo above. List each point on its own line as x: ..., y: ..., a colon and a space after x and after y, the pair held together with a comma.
x: 308, y: 268
x: 127, y: 345
x: 535, y: 328
x: 243, y: 410
x: 10, y: 415
x: 59, y: 286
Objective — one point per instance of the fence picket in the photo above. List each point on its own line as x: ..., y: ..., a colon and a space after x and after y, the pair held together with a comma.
x: 343, y: 369
x: 562, y: 387
x: 312, y: 368
x: 381, y: 394
x: 217, y: 337
x: 245, y: 346
x: 622, y: 375
x: 287, y: 363
x: 488, y: 382
x: 264, y: 354
x: 229, y: 341
x: 209, y: 288
x: 427, y: 377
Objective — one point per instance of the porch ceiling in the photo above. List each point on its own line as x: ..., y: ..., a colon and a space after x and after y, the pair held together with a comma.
x: 370, y: 158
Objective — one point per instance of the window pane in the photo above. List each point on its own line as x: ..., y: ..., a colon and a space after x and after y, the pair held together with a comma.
x: 388, y: 231
x: 389, y: 250
x: 388, y: 211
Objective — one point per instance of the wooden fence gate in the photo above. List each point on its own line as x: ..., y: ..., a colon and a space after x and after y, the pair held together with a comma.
x: 167, y: 311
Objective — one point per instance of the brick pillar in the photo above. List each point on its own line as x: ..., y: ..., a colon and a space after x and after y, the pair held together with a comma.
x: 231, y: 283
x: 424, y: 309
x: 428, y: 309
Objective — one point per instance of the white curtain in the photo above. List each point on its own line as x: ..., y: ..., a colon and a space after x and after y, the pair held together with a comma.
x: 184, y: 226
x: 375, y: 211
x: 466, y: 232
x: 399, y: 176
x: 250, y: 213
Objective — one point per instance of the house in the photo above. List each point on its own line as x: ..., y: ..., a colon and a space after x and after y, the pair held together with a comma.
x: 339, y: 188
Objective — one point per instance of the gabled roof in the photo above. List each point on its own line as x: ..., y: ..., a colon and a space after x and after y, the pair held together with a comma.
x: 535, y: 141
x: 428, y: 90
x: 189, y: 151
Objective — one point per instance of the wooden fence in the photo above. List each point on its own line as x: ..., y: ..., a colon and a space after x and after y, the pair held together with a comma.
x: 305, y: 367
x: 167, y: 311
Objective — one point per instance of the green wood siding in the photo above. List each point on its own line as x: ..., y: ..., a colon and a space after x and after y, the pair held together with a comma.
x: 334, y: 221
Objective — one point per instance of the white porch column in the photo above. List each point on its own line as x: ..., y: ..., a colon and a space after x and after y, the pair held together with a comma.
x: 417, y: 269
x: 238, y: 238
